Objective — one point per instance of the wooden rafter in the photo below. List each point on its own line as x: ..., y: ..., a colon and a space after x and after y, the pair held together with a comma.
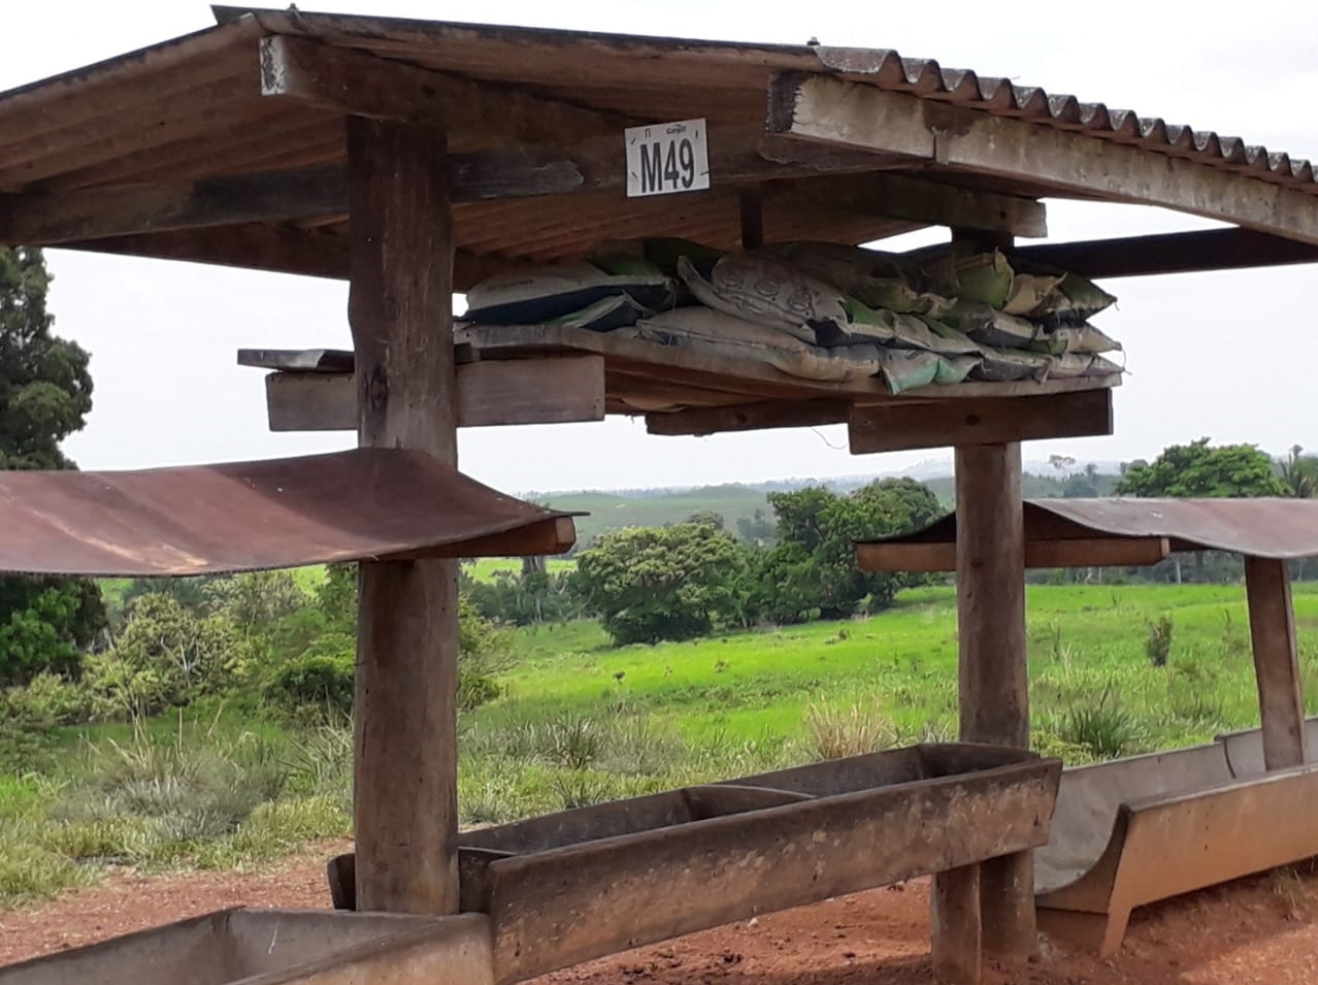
x: 1172, y: 253
x: 828, y: 110
x: 1077, y: 552
x: 321, y: 190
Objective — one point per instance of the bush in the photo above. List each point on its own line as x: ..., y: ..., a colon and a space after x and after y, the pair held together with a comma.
x: 47, y: 701
x: 318, y: 680
x: 837, y: 733
x: 1102, y: 727
x: 1158, y: 646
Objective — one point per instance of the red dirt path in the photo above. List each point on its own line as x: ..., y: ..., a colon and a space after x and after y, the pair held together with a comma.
x: 1260, y: 930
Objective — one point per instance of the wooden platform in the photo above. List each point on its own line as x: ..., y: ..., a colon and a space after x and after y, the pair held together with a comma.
x: 540, y: 374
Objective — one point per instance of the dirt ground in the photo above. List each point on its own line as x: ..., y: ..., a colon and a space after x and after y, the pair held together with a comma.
x: 1259, y: 930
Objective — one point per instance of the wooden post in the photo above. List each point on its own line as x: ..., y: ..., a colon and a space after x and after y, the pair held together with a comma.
x: 957, y: 927
x: 405, y: 714
x: 1272, y: 629
x: 993, y: 678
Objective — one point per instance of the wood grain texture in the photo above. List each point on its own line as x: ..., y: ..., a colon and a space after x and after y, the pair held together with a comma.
x: 994, y: 693
x: 405, y: 710
x: 1276, y: 662
x: 956, y: 926
x: 898, y: 426
x: 833, y: 111
x: 555, y: 390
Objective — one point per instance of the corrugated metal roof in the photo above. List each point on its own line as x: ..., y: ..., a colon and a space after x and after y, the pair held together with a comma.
x: 1266, y: 527
x: 210, y: 519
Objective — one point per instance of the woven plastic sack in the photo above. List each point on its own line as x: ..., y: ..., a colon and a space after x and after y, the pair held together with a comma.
x: 768, y: 292
x: 988, y: 326
x: 718, y: 333
x: 877, y: 280
x: 977, y: 278
x: 1007, y: 365
x: 1074, y: 339
x: 533, y: 295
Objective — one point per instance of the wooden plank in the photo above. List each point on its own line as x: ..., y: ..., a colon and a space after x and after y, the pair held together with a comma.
x: 275, y: 248
x: 50, y: 217
x: 988, y: 421
x: 404, y: 703
x: 355, y: 82
x: 838, y: 113
x: 1171, y: 253
x: 490, y: 394
x: 994, y: 694
x: 750, y: 417
x: 956, y: 926
x: 901, y: 197
x: 555, y: 535
x: 1086, y: 552
x: 1276, y: 663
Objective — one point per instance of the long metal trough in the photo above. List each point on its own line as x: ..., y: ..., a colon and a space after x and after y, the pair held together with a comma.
x: 277, y: 947
x: 1137, y: 830
x: 572, y: 886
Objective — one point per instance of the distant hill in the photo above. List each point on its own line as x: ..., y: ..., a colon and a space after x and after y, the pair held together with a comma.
x: 656, y: 507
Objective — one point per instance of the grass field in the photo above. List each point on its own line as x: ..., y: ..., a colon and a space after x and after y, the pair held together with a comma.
x: 582, y: 721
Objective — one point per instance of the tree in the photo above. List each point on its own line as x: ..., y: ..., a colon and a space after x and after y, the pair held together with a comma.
x: 1299, y: 473
x: 813, y: 569
x: 663, y: 583
x: 45, y: 395
x: 1199, y: 470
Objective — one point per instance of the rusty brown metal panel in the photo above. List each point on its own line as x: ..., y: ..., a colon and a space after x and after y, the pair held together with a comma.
x: 1266, y: 527
x: 210, y: 519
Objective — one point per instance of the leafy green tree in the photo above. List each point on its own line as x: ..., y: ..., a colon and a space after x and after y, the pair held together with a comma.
x: 1199, y: 470
x: 812, y: 571
x: 45, y: 395
x: 663, y: 583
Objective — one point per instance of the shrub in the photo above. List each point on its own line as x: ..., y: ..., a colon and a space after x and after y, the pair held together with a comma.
x: 47, y: 701
x: 1158, y: 646
x: 837, y: 733
x: 1103, y: 727
x: 321, y: 679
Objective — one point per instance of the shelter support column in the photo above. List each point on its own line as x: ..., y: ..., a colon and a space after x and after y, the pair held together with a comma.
x: 1276, y: 667
x: 405, y: 715
x: 993, y: 678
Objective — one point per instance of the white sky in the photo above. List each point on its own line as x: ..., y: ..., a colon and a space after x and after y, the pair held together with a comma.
x: 1232, y: 355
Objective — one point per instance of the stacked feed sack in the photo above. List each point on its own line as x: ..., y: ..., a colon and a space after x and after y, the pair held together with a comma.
x: 825, y: 311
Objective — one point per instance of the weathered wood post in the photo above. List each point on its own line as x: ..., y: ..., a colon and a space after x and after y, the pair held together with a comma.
x: 400, y: 310
x: 993, y: 677
x: 1276, y: 666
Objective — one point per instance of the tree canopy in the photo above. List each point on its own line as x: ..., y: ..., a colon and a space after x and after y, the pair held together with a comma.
x: 1198, y: 469
x: 45, y: 395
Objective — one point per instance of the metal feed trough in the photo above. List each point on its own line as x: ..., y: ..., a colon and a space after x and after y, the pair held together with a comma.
x: 554, y: 887
x: 276, y: 947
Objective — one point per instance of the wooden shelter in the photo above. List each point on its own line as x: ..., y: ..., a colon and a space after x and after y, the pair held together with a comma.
x: 416, y: 158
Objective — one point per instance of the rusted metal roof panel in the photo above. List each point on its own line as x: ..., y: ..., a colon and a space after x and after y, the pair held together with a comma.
x: 1266, y: 527
x: 282, y: 513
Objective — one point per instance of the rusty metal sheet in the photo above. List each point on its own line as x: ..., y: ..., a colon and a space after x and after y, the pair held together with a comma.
x: 281, y: 513
x: 1266, y: 527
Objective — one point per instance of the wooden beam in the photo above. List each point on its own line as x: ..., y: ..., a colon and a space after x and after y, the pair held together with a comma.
x: 318, y: 191
x: 829, y: 110
x: 550, y: 390
x: 405, y: 699
x: 750, y: 417
x: 1088, y: 552
x: 1171, y: 253
x: 357, y: 83
x: 273, y: 248
x: 1276, y: 664
x: 978, y: 421
x: 956, y: 926
x: 897, y: 196
x: 994, y: 691
x: 555, y: 535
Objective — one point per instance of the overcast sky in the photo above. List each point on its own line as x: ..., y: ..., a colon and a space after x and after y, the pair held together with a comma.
x: 1232, y: 356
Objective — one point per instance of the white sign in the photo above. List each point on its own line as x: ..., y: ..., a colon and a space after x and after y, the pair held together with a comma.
x: 667, y: 157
